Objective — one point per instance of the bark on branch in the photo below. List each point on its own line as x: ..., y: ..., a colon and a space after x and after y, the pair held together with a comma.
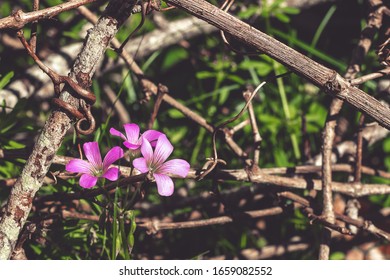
x: 22, y: 194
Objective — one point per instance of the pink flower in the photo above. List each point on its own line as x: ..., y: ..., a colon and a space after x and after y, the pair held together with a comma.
x: 94, y: 168
x: 133, y: 141
x: 153, y: 162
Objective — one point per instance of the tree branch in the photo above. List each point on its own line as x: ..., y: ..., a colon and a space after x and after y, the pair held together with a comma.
x: 19, y: 18
x: 22, y: 194
x: 155, y: 226
x: 328, y: 80
x: 181, y: 29
x: 329, y: 131
x: 365, y: 225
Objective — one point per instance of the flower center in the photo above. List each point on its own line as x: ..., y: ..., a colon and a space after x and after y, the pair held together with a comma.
x: 152, y: 169
x: 97, y: 172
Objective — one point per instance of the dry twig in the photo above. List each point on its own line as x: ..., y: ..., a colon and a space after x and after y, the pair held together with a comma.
x: 329, y: 130
x: 365, y: 225
x: 19, y: 19
x: 255, y: 130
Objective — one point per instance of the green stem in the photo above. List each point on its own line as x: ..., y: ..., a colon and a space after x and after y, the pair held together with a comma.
x: 322, y: 25
x: 198, y: 145
x: 286, y: 109
x: 276, y: 66
x: 124, y: 238
x: 114, y: 227
x: 132, y: 200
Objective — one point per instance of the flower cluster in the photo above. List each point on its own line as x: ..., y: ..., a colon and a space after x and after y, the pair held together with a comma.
x: 154, y: 147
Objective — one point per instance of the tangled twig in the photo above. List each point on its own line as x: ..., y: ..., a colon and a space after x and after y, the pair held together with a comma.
x: 212, y: 162
x: 87, y: 98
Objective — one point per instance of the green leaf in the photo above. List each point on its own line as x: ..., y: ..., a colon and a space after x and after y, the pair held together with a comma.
x: 224, y: 94
x: 317, y: 114
x: 282, y: 17
x: 261, y: 242
x: 150, y: 60
x: 386, y: 203
x: 5, y: 9
x: 130, y: 239
x: 247, y: 13
x: 243, y: 241
x: 386, y: 145
x: 387, y: 162
x: 173, y: 57
x: 262, y: 68
x: 71, y: 34
x: 290, y: 10
x: 236, y: 79
x: 10, y: 123
x: 129, y: 86
x: 178, y: 135
x: 270, y: 122
x: 381, y: 200
x: 205, y: 75
x: 322, y: 25
x: 300, y: 44
x: 6, y: 79
x: 281, y: 158
x: 112, y: 54
x: 337, y: 256
x: 269, y: 119
x: 175, y: 114
x: 14, y: 145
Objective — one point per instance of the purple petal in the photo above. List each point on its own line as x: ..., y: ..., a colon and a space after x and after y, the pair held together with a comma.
x: 141, y: 165
x: 132, y: 132
x: 178, y: 167
x: 79, y: 166
x: 152, y: 136
x: 162, y: 151
x: 164, y: 183
x: 147, y: 151
x: 115, y: 132
x: 111, y: 174
x: 87, y: 181
x: 131, y: 146
x: 92, y: 152
x: 113, y: 155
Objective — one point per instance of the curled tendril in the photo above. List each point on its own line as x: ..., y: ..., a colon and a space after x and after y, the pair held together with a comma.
x: 88, y: 118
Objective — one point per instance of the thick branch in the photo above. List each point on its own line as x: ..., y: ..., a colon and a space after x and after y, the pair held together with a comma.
x: 328, y: 80
x: 328, y: 136
x: 22, y: 194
